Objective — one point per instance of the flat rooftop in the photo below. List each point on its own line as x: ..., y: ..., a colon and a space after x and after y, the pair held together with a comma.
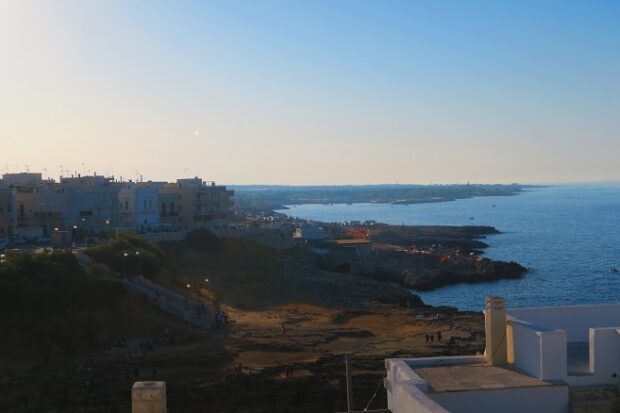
x: 475, y: 377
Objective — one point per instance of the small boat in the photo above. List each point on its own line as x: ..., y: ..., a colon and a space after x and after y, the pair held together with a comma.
x: 612, y: 269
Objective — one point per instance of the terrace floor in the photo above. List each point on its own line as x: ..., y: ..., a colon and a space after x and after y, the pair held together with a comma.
x: 578, y: 358
x: 475, y: 377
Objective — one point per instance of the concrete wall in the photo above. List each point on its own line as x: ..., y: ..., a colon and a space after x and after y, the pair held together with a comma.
x: 548, y: 399
x: 576, y: 320
x: 605, y: 353
x: 524, y: 348
x: 537, y: 349
x: 406, y: 390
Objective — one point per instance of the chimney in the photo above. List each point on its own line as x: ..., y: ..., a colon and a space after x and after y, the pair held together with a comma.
x: 495, y: 329
x: 148, y: 397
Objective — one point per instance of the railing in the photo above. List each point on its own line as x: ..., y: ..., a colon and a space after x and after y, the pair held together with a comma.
x: 47, y: 214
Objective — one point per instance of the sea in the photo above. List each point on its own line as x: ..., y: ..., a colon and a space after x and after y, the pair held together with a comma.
x: 568, y: 236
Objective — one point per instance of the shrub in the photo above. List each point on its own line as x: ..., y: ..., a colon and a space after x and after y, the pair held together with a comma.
x: 203, y: 240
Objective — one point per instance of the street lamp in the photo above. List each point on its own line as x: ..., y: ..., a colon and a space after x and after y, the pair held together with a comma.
x: 73, y: 236
x: 125, y: 264
x: 139, y: 263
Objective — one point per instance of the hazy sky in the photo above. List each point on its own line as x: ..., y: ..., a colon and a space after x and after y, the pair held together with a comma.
x: 313, y: 92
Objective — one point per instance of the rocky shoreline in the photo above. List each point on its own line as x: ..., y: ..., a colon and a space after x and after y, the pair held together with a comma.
x: 423, y: 258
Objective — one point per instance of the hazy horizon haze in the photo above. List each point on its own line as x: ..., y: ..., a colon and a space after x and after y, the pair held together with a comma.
x: 347, y: 92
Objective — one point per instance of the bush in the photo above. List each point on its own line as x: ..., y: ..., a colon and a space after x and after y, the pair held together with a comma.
x: 203, y: 240
x: 47, y: 302
x: 112, y: 253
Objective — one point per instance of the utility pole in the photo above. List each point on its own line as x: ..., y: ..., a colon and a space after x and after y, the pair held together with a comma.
x: 349, y: 372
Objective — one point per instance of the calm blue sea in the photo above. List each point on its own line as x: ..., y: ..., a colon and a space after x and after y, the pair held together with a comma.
x: 568, y: 236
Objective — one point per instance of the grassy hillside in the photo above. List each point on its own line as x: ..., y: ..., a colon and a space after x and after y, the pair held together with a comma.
x: 50, y: 306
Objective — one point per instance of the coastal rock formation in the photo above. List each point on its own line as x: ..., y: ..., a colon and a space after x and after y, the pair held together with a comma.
x: 485, y: 271
x: 423, y: 257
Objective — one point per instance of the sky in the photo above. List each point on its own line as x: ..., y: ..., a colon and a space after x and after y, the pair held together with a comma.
x: 312, y: 92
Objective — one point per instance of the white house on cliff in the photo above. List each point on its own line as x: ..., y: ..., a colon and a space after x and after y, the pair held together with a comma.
x: 547, y: 360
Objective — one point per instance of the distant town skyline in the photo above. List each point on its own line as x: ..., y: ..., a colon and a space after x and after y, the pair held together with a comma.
x: 312, y: 92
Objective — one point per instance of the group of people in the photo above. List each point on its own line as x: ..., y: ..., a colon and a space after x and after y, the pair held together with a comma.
x: 238, y: 369
x: 220, y: 319
x: 430, y: 338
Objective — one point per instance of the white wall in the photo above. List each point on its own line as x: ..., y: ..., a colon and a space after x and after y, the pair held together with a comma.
x: 406, y: 390
x: 537, y: 349
x: 548, y: 399
x: 553, y: 364
x: 605, y: 352
x: 525, y: 348
x: 576, y: 320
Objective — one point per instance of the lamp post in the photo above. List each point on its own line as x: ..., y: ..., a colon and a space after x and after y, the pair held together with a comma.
x: 73, y: 236
x: 55, y: 241
x: 139, y: 263
x: 125, y: 264
x: 107, y: 226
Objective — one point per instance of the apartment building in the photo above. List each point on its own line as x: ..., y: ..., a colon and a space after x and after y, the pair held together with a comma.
x: 32, y: 206
x: 194, y: 203
x: 91, y: 202
x: 6, y: 200
x: 138, y: 206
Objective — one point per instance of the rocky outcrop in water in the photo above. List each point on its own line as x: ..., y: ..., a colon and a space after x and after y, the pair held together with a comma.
x: 485, y: 271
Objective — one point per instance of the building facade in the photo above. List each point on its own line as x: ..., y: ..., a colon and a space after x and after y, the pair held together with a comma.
x: 33, y: 207
x: 194, y: 203
x: 138, y: 206
x: 6, y: 199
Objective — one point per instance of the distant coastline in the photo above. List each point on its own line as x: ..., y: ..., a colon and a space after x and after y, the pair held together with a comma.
x: 268, y: 198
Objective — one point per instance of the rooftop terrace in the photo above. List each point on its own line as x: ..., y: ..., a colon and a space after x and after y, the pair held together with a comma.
x: 475, y: 377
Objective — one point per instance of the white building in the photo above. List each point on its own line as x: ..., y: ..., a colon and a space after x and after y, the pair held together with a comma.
x: 138, y: 206
x: 548, y: 359
x: 309, y: 232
